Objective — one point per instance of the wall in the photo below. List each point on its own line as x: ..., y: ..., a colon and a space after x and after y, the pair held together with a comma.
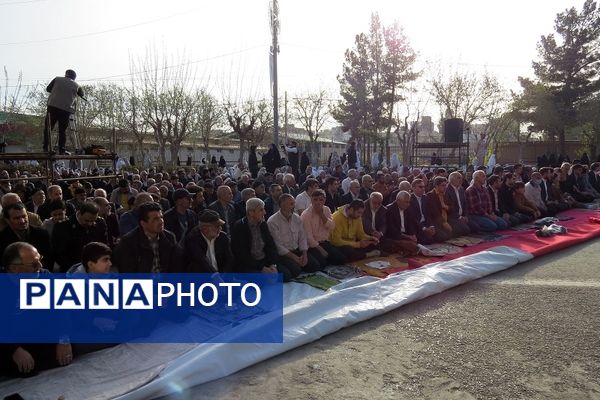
x: 514, y: 152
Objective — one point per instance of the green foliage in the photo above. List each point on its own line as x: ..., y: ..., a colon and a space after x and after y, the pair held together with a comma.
x: 374, y: 73
x: 567, y: 73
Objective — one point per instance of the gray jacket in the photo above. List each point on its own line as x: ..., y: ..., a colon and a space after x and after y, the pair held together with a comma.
x: 63, y: 92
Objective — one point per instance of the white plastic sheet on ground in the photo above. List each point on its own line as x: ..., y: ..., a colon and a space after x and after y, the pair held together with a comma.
x: 309, y: 314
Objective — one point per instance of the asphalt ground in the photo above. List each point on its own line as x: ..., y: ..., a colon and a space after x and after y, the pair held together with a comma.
x: 530, y: 332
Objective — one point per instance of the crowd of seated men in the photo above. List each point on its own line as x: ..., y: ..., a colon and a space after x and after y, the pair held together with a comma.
x: 210, y: 221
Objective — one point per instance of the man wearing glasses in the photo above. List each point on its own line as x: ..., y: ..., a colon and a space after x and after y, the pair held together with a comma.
x: 26, y: 359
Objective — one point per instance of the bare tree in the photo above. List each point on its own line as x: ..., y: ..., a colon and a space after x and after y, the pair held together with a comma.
x: 130, y: 119
x: 13, y: 101
x: 408, y: 113
x: 210, y: 115
x: 89, y: 113
x: 264, y: 122
x: 168, y: 101
x: 312, y: 111
x: 107, y: 97
x: 242, y: 118
x: 468, y: 96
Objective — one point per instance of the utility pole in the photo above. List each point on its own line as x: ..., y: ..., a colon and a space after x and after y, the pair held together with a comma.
x: 285, y: 118
x: 274, y: 14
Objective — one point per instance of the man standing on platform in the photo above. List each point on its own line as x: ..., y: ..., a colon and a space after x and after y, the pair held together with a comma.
x: 61, y: 104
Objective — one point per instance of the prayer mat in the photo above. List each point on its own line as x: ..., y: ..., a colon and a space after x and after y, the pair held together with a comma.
x: 373, y: 271
x: 318, y: 280
x: 343, y: 271
x: 419, y: 261
x: 490, y: 237
x: 381, y: 267
x: 430, y: 252
x: 523, y: 227
x: 464, y: 241
x: 446, y: 248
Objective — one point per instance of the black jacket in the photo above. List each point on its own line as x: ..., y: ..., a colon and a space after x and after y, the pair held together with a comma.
x: 394, y: 223
x: 364, y: 193
x: 195, y: 253
x: 112, y: 226
x: 226, y: 213
x: 347, y: 199
x: 506, y: 200
x: 380, y: 219
x: 253, y: 163
x: 241, y: 240
x: 69, y: 237
x: 172, y: 223
x: 134, y: 253
x: 30, y: 207
x: 333, y: 202
x: 38, y: 238
x: 240, y: 210
x: 594, y: 180
x: 418, y: 211
x: 452, y: 203
x: 269, y: 207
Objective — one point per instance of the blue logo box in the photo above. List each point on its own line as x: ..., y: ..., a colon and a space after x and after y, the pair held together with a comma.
x: 141, y: 308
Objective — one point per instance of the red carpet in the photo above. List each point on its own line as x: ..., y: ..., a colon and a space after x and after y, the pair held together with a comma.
x: 579, y: 230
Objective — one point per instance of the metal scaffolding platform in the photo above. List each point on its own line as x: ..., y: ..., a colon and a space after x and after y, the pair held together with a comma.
x: 453, y: 152
x: 50, y: 158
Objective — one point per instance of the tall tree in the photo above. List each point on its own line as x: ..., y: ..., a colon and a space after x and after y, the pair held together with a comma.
x: 569, y: 66
x: 398, y: 72
x: 589, y: 120
x: 352, y: 110
x: 373, y: 73
x: 376, y: 105
x: 538, y: 106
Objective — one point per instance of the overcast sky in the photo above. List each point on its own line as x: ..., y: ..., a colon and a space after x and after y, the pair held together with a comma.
x: 228, y: 40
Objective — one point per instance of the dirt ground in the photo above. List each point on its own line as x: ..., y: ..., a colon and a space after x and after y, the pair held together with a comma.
x: 531, y: 332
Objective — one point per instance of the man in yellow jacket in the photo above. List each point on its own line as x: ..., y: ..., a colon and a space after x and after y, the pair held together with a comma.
x: 349, y: 235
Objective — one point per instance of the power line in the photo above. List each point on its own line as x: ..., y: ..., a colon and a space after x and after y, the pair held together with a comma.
x: 174, y: 66
x: 110, y: 78
x: 98, y: 32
